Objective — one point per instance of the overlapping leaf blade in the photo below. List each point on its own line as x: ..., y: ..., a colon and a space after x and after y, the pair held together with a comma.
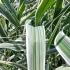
x: 3, y: 31
x: 20, y: 10
x: 14, y: 47
x: 42, y: 8
x: 8, y: 15
x: 8, y: 6
x: 9, y: 12
x: 62, y: 44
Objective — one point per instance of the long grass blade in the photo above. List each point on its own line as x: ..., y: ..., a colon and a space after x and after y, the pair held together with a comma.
x: 42, y: 8
x: 35, y: 47
x: 11, y: 46
x: 21, y: 10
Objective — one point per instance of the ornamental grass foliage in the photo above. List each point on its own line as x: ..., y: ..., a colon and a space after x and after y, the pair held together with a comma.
x: 34, y: 34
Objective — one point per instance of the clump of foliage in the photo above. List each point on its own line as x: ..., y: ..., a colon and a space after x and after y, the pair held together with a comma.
x: 15, y: 14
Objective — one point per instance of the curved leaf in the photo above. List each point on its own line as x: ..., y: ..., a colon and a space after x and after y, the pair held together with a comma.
x: 62, y: 44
